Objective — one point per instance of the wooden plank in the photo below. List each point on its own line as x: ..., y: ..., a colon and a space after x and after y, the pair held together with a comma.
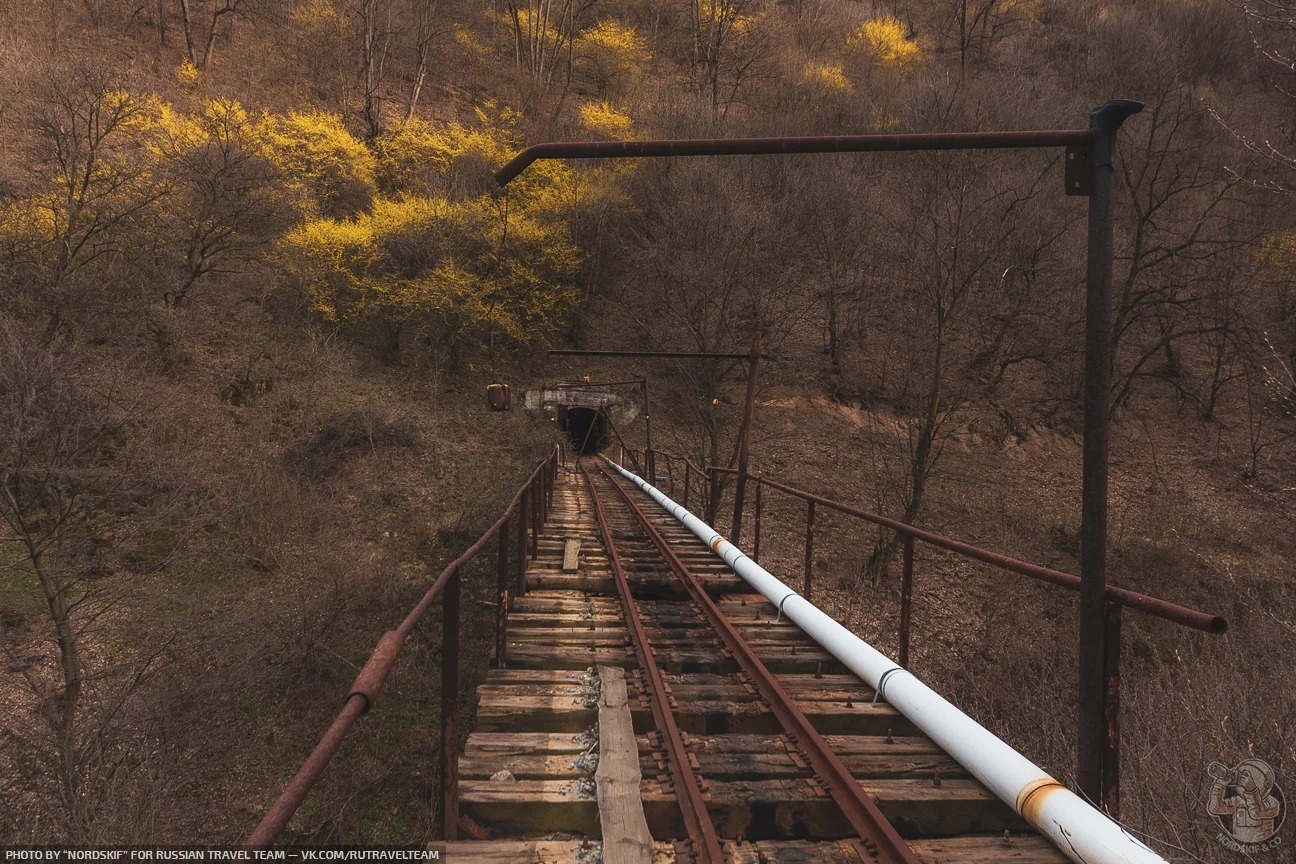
x: 571, y: 554
x: 964, y: 850
x: 625, y: 830
x: 531, y: 807
x: 988, y: 850
x: 520, y: 851
x: 527, y: 766
x: 522, y: 743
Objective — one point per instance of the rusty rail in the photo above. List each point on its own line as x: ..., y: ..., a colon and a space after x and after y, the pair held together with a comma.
x: 697, y: 820
x: 1114, y: 598
x: 533, y: 497
x: 1089, y: 171
x: 878, y: 840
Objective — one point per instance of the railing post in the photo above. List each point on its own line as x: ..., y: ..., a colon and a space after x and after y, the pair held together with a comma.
x: 501, y: 589
x: 713, y: 496
x: 519, y: 585
x: 535, y: 521
x: 546, y: 490
x: 756, y: 538
x: 449, y: 766
x: 744, y: 437
x: 906, y: 600
x: 688, y: 473
x: 1111, y: 738
x: 809, y: 551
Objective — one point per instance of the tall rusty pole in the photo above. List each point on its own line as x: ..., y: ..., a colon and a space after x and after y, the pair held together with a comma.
x: 1092, y: 776
x: 744, y: 446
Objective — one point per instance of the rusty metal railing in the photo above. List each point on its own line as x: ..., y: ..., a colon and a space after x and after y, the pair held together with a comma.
x: 1115, y: 598
x: 531, y: 505
x: 688, y: 470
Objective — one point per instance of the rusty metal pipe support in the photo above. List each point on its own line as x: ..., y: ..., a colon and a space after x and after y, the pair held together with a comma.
x: 785, y: 146
x: 1083, y: 833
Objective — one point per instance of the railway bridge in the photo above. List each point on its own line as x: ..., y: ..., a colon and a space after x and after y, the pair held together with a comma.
x: 655, y: 696
x: 658, y: 696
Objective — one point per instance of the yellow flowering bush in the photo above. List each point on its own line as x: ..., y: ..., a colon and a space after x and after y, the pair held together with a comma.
x: 888, y: 40
x: 827, y: 76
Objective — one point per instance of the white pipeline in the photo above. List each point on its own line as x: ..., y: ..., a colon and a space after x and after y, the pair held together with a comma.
x: 1083, y: 833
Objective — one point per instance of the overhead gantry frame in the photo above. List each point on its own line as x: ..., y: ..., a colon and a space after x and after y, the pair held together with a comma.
x: 1090, y: 165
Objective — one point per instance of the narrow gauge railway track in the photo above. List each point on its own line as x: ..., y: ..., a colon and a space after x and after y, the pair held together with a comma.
x: 754, y: 744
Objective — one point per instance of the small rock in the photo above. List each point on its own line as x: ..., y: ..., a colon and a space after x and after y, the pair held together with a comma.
x: 503, y: 777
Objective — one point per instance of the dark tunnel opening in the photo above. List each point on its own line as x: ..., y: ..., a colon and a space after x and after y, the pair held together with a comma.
x: 588, y: 429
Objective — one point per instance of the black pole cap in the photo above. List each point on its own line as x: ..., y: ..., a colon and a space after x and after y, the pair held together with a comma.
x: 1105, y: 120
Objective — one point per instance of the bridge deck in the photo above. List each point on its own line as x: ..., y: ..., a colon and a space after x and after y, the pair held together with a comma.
x: 528, y: 775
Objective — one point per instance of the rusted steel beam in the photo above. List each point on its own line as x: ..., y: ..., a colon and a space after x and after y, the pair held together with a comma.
x: 789, y: 145
x: 877, y: 834
x: 594, y: 385
x: 697, y: 821
x: 1192, y: 618
x: 1105, y: 122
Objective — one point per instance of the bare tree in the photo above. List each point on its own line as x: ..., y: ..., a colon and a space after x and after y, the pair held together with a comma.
x: 959, y: 223
x: 1273, y: 31
x: 1186, y: 219
x: 224, y: 207
x: 374, y: 27
x: 213, y: 14
x: 710, y: 265
x: 99, y: 186
x: 423, y: 33
x: 975, y: 26
x: 69, y: 478
x: 544, y: 45
x: 728, y: 46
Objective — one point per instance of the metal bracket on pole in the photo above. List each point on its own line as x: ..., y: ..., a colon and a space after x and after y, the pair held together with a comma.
x: 1079, y: 170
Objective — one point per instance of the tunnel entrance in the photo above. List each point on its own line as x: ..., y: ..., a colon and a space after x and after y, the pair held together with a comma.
x: 588, y: 426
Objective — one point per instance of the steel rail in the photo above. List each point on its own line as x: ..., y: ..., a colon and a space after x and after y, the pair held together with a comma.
x: 697, y: 821
x: 879, y: 838
x: 790, y: 145
x: 1076, y: 827
x: 1156, y: 606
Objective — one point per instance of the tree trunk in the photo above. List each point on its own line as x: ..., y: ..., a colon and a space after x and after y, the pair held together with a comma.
x: 187, y: 19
